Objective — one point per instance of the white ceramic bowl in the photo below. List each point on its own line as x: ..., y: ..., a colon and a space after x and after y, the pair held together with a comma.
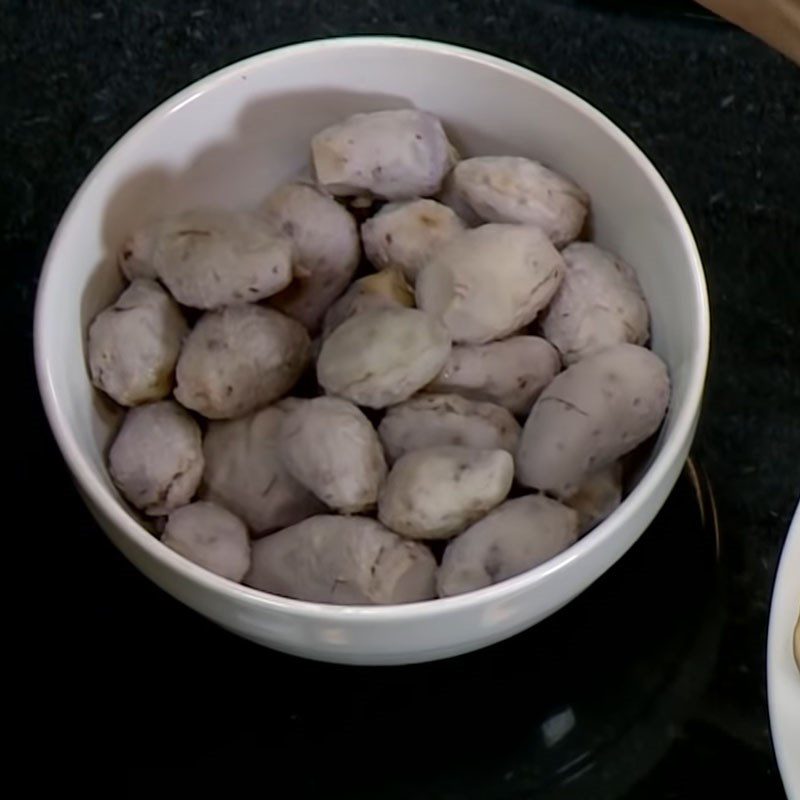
x: 783, y: 673
x: 227, y: 140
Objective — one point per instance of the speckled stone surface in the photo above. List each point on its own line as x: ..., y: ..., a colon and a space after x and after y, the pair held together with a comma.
x: 719, y: 115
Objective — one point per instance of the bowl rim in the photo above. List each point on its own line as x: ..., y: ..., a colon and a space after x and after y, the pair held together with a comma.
x: 783, y: 679
x: 123, y: 521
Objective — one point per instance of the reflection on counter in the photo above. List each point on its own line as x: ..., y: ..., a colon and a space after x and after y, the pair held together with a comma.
x: 583, y: 705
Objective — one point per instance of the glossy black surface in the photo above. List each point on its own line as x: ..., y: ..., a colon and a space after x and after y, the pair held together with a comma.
x: 685, y: 8
x: 583, y: 705
x: 663, y: 671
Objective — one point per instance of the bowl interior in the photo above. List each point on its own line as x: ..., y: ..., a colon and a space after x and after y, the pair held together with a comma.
x: 229, y: 139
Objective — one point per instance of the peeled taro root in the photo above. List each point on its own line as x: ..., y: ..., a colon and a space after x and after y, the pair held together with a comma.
x: 396, y: 155
x: 437, y: 492
x: 591, y: 414
x: 379, y: 358
x: 512, y: 372
x: 245, y: 473
x: 329, y: 446
x: 156, y: 460
x: 430, y: 420
x: 598, y: 495
x: 490, y: 281
x: 239, y: 359
x: 453, y: 199
x: 344, y: 560
x: 405, y: 235
x: 210, y: 536
x: 326, y: 249
x: 135, y: 257
x: 598, y: 304
x: 386, y: 289
x: 209, y: 258
x: 134, y: 344
x: 517, y: 536
x: 519, y: 190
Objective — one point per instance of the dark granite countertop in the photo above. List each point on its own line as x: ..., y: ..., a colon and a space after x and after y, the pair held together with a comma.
x: 156, y: 685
